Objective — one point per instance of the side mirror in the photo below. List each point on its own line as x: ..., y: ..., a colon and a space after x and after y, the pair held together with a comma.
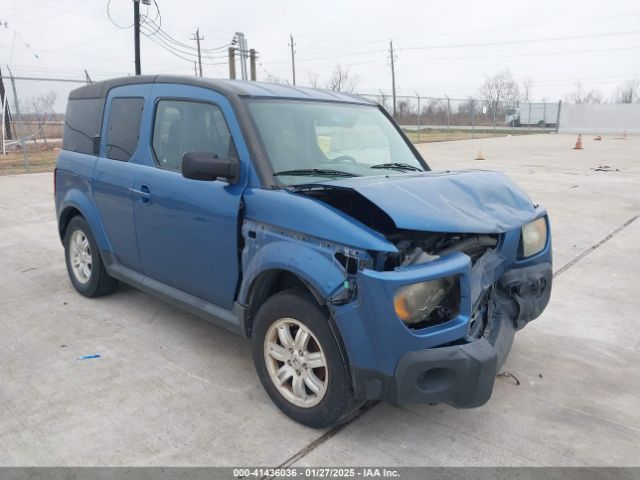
x: 207, y: 166
x: 96, y: 144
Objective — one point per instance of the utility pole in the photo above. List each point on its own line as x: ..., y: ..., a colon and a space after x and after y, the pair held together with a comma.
x: 195, y: 68
x: 293, y: 59
x: 20, y: 119
x: 232, y: 63
x: 252, y: 64
x: 241, y: 41
x: 393, y: 76
x: 136, y: 33
x: 197, y: 38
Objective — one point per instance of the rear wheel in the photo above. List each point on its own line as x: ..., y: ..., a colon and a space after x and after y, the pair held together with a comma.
x: 84, y: 265
x: 299, y: 362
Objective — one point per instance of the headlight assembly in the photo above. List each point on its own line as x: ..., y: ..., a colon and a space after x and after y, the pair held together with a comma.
x: 428, y: 303
x: 533, y: 237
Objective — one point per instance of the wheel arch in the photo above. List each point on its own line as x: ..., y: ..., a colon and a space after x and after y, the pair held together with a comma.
x: 76, y: 203
x: 269, y: 282
x: 65, y: 217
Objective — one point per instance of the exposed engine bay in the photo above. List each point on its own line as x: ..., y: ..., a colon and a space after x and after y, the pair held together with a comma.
x: 420, y: 305
x: 420, y: 247
x: 414, y: 247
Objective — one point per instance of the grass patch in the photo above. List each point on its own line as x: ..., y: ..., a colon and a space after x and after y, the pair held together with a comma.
x: 428, y: 135
x: 39, y: 161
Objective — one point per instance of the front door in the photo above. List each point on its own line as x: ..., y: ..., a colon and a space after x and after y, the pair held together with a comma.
x: 187, y: 230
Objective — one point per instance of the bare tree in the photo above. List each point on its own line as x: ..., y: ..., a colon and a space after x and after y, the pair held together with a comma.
x: 383, y: 99
x: 405, y: 112
x: 342, y: 80
x: 579, y: 95
x: 527, y: 88
x: 275, y: 79
x: 43, y: 107
x: 497, y: 88
x: 314, y: 80
x: 500, y: 87
x: 628, y: 92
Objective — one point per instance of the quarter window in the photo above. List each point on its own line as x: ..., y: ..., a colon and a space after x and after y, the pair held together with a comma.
x: 182, y: 126
x: 81, y: 123
x: 124, y: 127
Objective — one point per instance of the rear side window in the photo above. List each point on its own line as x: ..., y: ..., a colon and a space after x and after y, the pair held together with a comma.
x: 82, y: 122
x: 124, y: 127
x: 183, y: 126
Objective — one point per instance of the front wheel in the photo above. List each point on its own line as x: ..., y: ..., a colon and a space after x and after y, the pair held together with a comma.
x: 299, y: 362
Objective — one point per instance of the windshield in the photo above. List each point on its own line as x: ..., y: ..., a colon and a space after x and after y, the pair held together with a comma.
x: 310, y: 141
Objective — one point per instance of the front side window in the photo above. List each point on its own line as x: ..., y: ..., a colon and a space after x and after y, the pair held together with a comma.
x: 124, y: 127
x: 182, y: 126
x: 320, y: 140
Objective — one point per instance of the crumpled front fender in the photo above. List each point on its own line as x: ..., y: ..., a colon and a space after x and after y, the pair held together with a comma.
x: 310, y: 259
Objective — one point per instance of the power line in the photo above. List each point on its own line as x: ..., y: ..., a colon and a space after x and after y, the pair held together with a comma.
x: 353, y: 54
x: 112, y: 20
x: 536, y: 54
x: 190, y: 60
x: 221, y: 49
x: 514, y: 42
x: 461, y: 45
x: 194, y: 50
x: 186, y: 56
x: 178, y: 52
x: 490, y: 29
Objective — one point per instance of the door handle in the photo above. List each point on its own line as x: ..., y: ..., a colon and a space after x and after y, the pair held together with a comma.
x: 144, y: 194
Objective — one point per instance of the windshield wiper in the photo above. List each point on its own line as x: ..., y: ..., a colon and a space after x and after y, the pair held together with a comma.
x: 398, y: 166
x: 316, y: 172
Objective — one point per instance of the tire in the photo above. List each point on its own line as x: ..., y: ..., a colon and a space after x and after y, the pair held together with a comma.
x: 84, y: 264
x: 274, y: 352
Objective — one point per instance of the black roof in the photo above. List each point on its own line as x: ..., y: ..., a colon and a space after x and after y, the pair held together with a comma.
x: 241, y: 88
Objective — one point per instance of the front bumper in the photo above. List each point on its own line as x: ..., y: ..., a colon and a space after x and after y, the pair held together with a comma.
x: 459, y: 375
x: 441, y: 363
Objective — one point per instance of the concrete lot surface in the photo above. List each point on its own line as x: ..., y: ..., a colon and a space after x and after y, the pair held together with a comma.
x: 170, y: 389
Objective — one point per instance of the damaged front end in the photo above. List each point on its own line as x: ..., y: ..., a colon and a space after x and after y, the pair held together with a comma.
x: 440, y: 324
x: 434, y: 320
x: 425, y: 315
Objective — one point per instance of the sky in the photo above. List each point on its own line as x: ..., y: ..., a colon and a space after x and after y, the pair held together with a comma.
x: 441, y: 48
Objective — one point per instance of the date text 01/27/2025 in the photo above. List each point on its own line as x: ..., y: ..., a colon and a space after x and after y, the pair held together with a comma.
x: 317, y: 472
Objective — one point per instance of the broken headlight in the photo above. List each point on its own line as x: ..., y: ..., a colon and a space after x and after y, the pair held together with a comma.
x: 533, y: 237
x: 428, y: 303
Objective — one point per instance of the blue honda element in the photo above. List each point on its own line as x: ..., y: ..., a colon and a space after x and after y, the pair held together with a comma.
x: 306, y: 221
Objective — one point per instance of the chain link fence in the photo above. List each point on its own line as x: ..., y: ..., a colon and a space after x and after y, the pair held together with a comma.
x: 33, y: 119
x: 433, y: 119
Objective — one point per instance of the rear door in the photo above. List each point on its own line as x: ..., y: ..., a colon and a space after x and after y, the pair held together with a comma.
x: 188, y: 229
x: 115, y: 170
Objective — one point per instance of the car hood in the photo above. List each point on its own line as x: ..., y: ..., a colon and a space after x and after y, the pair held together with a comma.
x: 468, y: 201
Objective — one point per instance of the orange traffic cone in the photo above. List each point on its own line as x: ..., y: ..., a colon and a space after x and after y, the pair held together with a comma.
x: 578, y: 143
x: 480, y: 156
